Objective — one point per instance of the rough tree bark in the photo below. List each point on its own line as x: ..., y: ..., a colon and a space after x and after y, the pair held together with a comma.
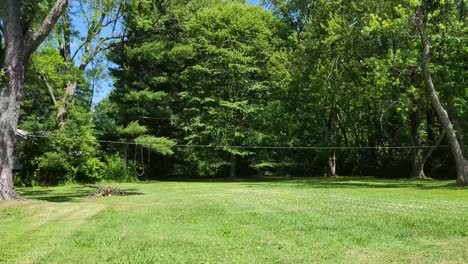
x: 13, y: 69
x: 20, y: 44
x: 461, y: 162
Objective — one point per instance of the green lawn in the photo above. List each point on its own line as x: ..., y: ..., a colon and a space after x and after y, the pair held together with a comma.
x: 295, y: 221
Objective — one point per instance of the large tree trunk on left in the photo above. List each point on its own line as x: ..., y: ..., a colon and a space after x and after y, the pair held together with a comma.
x: 14, y: 66
x: 19, y: 47
x: 9, y: 113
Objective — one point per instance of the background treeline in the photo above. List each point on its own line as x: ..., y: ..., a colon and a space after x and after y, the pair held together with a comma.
x: 194, y: 79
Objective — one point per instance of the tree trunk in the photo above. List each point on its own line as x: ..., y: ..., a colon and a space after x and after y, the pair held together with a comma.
x: 19, y: 47
x: 65, y: 50
x: 457, y: 124
x: 417, y: 171
x: 430, y: 125
x: 332, y: 165
x: 64, y: 107
x: 14, y: 68
x: 233, y: 169
x: 461, y: 162
x: 9, y: 112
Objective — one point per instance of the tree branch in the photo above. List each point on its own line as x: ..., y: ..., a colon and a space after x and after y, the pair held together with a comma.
x: 34, y: 38
x: 49, y: 89
x: 94, y: 43
x: 85, y: 14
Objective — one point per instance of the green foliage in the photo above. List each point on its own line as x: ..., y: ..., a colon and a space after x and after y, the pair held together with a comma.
x: 105, y: 121
x: 115, y: 169
x: 221, y: 74
x: 308, y: 73
x: 91, y: 170
x: 356, y: 79
x: 64, y: 156
x: 158, y: 145
x: 52, y: 168
x: 57, y: 155
x: 227, y: 85
x: 133, y: 129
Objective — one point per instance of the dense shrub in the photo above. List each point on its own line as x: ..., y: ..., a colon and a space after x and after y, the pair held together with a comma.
x: 52, y: 168
x: 116, y: 170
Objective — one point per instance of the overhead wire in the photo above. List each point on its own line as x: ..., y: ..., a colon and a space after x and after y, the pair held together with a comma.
x: 246, y: 146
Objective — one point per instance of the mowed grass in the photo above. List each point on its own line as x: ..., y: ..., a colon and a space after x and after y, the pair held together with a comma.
x: 292, y: 221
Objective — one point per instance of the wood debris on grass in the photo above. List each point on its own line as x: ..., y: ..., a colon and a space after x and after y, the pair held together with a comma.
x: 102, y: 191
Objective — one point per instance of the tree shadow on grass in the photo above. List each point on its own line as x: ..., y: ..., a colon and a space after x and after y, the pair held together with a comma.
x: 73, y: 194
x: 324, y: 183
x: 226, y: 180
x: 365, y: 182
x: 383, y: 184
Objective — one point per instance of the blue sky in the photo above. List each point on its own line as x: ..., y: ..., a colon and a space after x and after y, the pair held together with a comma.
x: 104, y: 87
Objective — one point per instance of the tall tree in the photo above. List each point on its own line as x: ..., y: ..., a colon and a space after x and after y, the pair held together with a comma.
x: 227, y: 85
x: 460, y: 160
x: 22, y: 38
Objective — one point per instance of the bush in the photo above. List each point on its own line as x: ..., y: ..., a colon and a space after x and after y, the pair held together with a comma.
x: 91, y: 170
x: 115, y: 169
x: 53, y: 168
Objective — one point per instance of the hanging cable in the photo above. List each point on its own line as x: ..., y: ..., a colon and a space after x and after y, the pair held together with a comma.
x: 248, y: 146
x: 149, y: 156
x: 142, y: 165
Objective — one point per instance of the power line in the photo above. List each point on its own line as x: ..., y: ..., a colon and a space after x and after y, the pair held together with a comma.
x: 154, y: 118
x: 247, y: 147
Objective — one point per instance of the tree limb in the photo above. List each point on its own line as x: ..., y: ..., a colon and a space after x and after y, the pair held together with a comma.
x: 49, y: 89
x: 34, y: 38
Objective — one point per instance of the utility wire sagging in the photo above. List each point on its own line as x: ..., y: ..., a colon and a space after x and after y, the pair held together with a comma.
x: 249, y: 146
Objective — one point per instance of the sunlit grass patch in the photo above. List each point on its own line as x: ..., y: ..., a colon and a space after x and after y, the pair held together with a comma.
x: 361, y: 220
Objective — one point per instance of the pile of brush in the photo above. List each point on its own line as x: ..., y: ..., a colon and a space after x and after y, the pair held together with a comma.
x: 102, y: 191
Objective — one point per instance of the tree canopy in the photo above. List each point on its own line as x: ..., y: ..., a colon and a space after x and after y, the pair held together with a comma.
x: 222, y: 88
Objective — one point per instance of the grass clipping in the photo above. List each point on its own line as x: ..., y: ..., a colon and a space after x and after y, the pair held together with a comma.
x: 102, y: 191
